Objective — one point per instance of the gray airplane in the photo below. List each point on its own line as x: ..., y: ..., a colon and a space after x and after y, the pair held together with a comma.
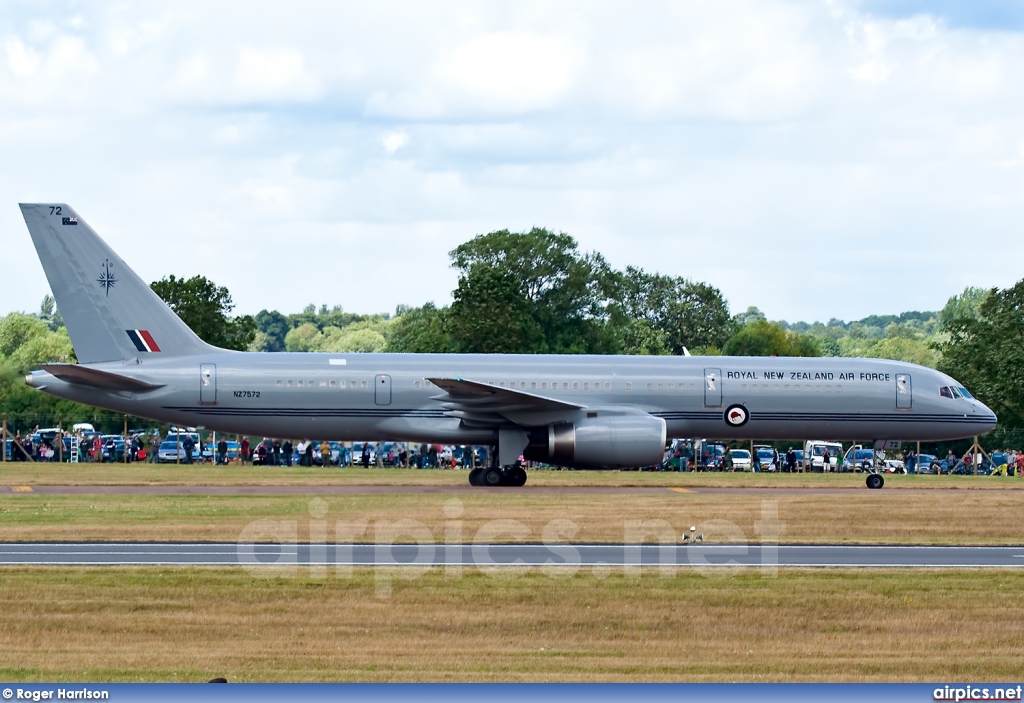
x: 136, y: 356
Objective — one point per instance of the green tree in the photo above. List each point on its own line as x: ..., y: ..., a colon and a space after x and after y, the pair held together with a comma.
x: 420, y: 330
x: 985, y: 352
x: 491, y: 314
x: 684, y: 314
x: 965, y: 306
x: 204, y: 307
x: 561, y: 296
x: 763, y: 338
x: 275, y: 326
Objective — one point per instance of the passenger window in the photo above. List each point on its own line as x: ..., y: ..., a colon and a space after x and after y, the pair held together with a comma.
x: 311, y: 384
x: 650, y: 386
x: 290, y: 383
x: 323, y: 384
x: 607, y: 386
x: 661, y: 386
x: 333, y: 383
x: 533, y: 385
x: 279, y: 384
x: 839, y: 389
x: 363, y: 384
x: 586, y: 385
x: 565, y: 385
x: 522, y: 385
x: 544, y: 385
x: 670, y: 386
x: 629, y: 386
x: 502, y: 384
x: 300, y: 384
x: 341, y: 383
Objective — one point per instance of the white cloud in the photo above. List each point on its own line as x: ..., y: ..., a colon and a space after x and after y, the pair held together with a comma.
x: 21, y: 60
x: 734, y: 143
x: 267, y: 75
x: 393, y: 141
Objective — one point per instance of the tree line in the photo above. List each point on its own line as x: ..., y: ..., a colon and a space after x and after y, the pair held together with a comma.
x: 537, y: 292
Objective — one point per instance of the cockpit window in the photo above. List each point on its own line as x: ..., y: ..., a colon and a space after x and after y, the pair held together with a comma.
x: 956, y: 392
x: 946, y: 392
x: 964, y: 393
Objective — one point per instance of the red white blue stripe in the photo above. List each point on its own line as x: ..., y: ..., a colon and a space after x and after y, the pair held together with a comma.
x: 143, y: 340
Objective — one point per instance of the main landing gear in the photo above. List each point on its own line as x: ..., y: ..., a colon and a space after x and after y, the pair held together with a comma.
x: 875, y: 481
x: 498, y: 476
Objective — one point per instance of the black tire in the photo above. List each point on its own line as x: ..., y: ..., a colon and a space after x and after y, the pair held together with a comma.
x: 476, y: 477
x: 875, y: 481
x: 493, y: 477
x: 516, y: 477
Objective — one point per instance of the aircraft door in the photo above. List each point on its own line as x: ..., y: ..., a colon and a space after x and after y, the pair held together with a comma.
x: 208, y: 384
x: 713, y: 388
x: 904, y: 391
x: 382, y: 392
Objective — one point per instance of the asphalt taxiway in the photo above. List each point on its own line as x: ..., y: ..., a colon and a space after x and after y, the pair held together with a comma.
x: 505, y: 555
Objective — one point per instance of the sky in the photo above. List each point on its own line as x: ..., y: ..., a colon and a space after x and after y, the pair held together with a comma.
x: 814, y: 159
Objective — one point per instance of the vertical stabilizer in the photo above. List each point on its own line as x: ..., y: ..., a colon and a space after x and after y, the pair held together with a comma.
x: 111, y: 314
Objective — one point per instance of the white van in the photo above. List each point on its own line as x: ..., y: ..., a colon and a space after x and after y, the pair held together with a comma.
x: 814, y: 455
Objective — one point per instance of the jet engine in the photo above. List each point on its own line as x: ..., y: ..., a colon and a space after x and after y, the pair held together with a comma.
x: 610, y: 442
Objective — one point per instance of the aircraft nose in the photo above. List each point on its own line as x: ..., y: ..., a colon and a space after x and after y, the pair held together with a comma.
x: 986, y: 412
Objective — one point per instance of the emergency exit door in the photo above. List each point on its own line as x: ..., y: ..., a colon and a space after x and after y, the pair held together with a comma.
x: 382, y: 389
x: 208, y: 384
x: 904, y: 391
x: 713, y: 388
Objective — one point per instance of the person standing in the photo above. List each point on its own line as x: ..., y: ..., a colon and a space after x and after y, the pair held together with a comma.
x: 97, y: 450
x: 910, y: 461
x: 188, y: 444
x: 244, y: 451
x: 325, y: 453
x: 366, y: 455
x: 222, y: 452
x: 307, y: 452
x: 154, y: 448
x: 790, y: 461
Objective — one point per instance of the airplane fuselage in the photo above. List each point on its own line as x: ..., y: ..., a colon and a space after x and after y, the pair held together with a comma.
x: 348, y: 396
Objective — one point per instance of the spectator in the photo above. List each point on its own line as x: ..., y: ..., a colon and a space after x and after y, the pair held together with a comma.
x: 277, y: 450
x: 154, y: 448
x: 222, y: 452
x: 325, y: 453
x: 261, y: 452
x: 244, y: 451
x: 189, y: 445
x: 950, y: 462
x: 308, y: 452
x: 910, y: 461
x: 790, y: 460
x: 97, y: 449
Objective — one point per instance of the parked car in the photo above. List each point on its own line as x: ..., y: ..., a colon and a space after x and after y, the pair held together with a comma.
x: 928, y: 464
x: 740, y: 459
x: 766, y: 458
x: 814, y: 453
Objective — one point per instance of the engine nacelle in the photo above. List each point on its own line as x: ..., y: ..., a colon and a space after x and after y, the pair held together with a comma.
x: 610, y: 442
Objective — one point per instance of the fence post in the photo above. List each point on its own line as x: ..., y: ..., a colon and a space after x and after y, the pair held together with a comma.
x: 3, y: 453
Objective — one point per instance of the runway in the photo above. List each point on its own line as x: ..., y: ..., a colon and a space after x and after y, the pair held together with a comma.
x: 506, y: 555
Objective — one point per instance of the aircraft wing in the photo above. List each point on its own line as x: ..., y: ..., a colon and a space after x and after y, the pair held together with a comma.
x: 483, y: 405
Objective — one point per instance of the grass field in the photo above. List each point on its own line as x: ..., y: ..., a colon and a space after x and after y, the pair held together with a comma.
x: 865, y: 517
x: 168, y: 624
x: 206, y: 474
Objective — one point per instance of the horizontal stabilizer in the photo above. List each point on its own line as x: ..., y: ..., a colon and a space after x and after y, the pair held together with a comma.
x: 94, y: 378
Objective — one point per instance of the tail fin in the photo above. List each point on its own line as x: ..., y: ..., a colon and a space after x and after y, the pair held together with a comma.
x: 111, y: 314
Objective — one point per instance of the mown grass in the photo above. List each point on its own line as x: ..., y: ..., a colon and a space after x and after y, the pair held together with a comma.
x: 859, y: 517
x: 187, y: 624
x: 205, y: 474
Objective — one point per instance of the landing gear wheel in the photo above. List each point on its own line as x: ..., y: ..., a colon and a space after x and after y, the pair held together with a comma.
x: 875, y: 481
x: 493, y: 477
x: 476, y: 477
x: 516, y: 477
